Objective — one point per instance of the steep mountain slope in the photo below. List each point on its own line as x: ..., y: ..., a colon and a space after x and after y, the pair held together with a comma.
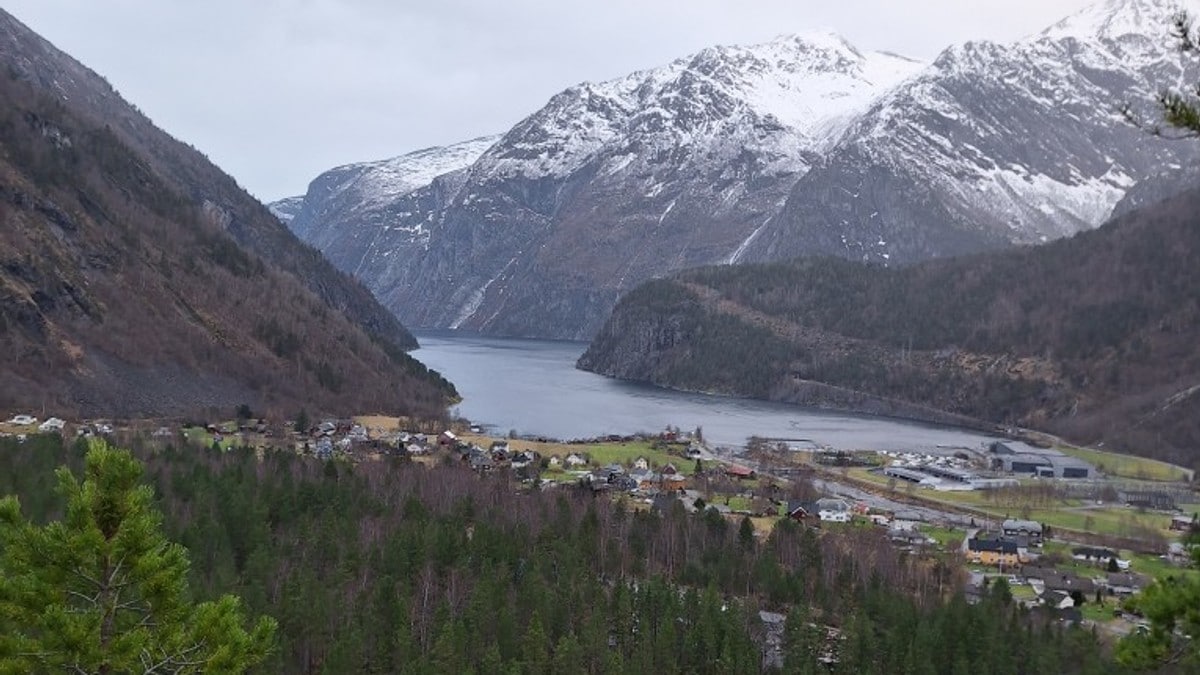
x: 355, y: 210
x: 1094, y: 336
x: 994, y: 145
x: 35, y: 61
x: 286, y: 209
x: 610, y: 184
x: 136, y: 279
x: 796, y: 147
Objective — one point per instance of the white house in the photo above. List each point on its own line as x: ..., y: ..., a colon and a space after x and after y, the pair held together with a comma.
x: 641, y: 463
x: 575, y: 459
x: 50, y: 425
x: 834, y: 516
x: 23, y: 420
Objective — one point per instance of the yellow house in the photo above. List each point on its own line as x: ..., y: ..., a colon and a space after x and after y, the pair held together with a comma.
x: 993, y: 552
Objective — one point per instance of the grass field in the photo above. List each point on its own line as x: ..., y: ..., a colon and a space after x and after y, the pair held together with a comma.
x: 600, y: 454
x: 735, y: 502
x: 1142, y: 563
x: 200, y: 436
x: 381, y: 422
x: 1115, y: 520
x: 1128, y: 466
x: 946, y: 537
x: 1157, y: 567
x: 1118, y: 521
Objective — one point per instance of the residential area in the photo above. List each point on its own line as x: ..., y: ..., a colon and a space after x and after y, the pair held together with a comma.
x: 1075, y: 536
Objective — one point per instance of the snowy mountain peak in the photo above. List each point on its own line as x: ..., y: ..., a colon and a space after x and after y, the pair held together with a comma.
x: 1116, y: 19
x: 383, y: 180
x: 803, y: 145
x: 806, y: 87
x: 286, y: 209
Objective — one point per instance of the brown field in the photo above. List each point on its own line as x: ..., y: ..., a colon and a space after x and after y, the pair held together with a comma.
x: 381, y: 422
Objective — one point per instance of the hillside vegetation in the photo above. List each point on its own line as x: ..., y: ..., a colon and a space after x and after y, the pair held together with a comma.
x: 398, y: 568
x: 1094, y: 337
x: 126, y: 289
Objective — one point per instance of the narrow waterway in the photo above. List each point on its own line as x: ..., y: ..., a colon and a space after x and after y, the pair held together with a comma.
x: 532, y: 387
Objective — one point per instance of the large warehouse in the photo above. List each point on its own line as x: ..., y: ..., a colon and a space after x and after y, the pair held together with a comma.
x: 1022, y: 458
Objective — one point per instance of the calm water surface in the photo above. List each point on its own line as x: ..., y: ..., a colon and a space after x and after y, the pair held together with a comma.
x: 532, y: 386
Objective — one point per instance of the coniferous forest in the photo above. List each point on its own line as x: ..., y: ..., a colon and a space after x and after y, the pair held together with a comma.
x: 394, y: 566
x: 1091, y: 337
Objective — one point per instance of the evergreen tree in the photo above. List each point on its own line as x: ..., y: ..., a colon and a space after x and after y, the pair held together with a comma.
x: 1181, y: 108
x: 1173, y: 607
x: 104, y: 591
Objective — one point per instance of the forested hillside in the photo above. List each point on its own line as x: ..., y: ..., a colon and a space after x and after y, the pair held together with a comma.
x: 47, y: 71
x: 123, y: 294
x: 1094, y: 336
x: 402, y: 568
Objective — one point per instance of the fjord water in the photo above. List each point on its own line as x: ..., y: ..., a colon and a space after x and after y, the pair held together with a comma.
x: 533, y: 387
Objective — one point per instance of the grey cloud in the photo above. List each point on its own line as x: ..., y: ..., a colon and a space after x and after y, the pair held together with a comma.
x: 276, y: 91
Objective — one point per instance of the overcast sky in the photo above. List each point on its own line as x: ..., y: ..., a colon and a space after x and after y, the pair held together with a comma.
x: 277, y: 91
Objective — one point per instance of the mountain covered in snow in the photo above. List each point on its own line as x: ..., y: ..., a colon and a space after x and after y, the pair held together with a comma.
x: 994, y: 144
x: 803, y: 145
x: 351, y: 209
x: 286, y: 209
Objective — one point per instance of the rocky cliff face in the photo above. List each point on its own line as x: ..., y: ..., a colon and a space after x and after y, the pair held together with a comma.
x: 801, y: 146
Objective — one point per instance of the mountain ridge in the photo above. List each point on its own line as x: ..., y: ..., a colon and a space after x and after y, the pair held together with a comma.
x: 31, y: 58
x: 731, y: 155
x: 138, y: 280
x: 596, y: 170
x: 1091, y: 337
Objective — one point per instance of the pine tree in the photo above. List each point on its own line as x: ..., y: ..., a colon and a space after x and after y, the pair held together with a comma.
x: 1181, y: 108
x: 104, y: 591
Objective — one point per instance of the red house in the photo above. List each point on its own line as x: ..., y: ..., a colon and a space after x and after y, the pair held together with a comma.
x: 740, y: 472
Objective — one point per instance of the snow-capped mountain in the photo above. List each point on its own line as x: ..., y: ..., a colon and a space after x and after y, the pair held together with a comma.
x: 286, y: 209
x: 605, y: 186
x: 799, y: 92
x: 994, y: 145
x: 801, y: 145
x: 345, y: 208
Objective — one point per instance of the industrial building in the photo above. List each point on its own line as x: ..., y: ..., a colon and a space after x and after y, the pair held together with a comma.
x: 948, y: 473
x: 1021, y: 458
x: 905, y: 474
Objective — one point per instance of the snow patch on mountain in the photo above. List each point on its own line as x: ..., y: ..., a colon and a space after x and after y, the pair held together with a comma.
x: 286, y: 209
x: 1013, y: 193
x: 380, y: 182
x: 1114, y: 20
x: 795, y: 93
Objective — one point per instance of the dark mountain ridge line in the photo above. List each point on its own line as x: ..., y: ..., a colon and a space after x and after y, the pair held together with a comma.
x: 126, y: 292
x: 1092, y: 337
x: 30, y: 58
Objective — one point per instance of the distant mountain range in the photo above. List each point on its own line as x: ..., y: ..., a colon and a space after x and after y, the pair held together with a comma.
x: 137, y: 279
x: 1093, y: 336
x: 805, y: 145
